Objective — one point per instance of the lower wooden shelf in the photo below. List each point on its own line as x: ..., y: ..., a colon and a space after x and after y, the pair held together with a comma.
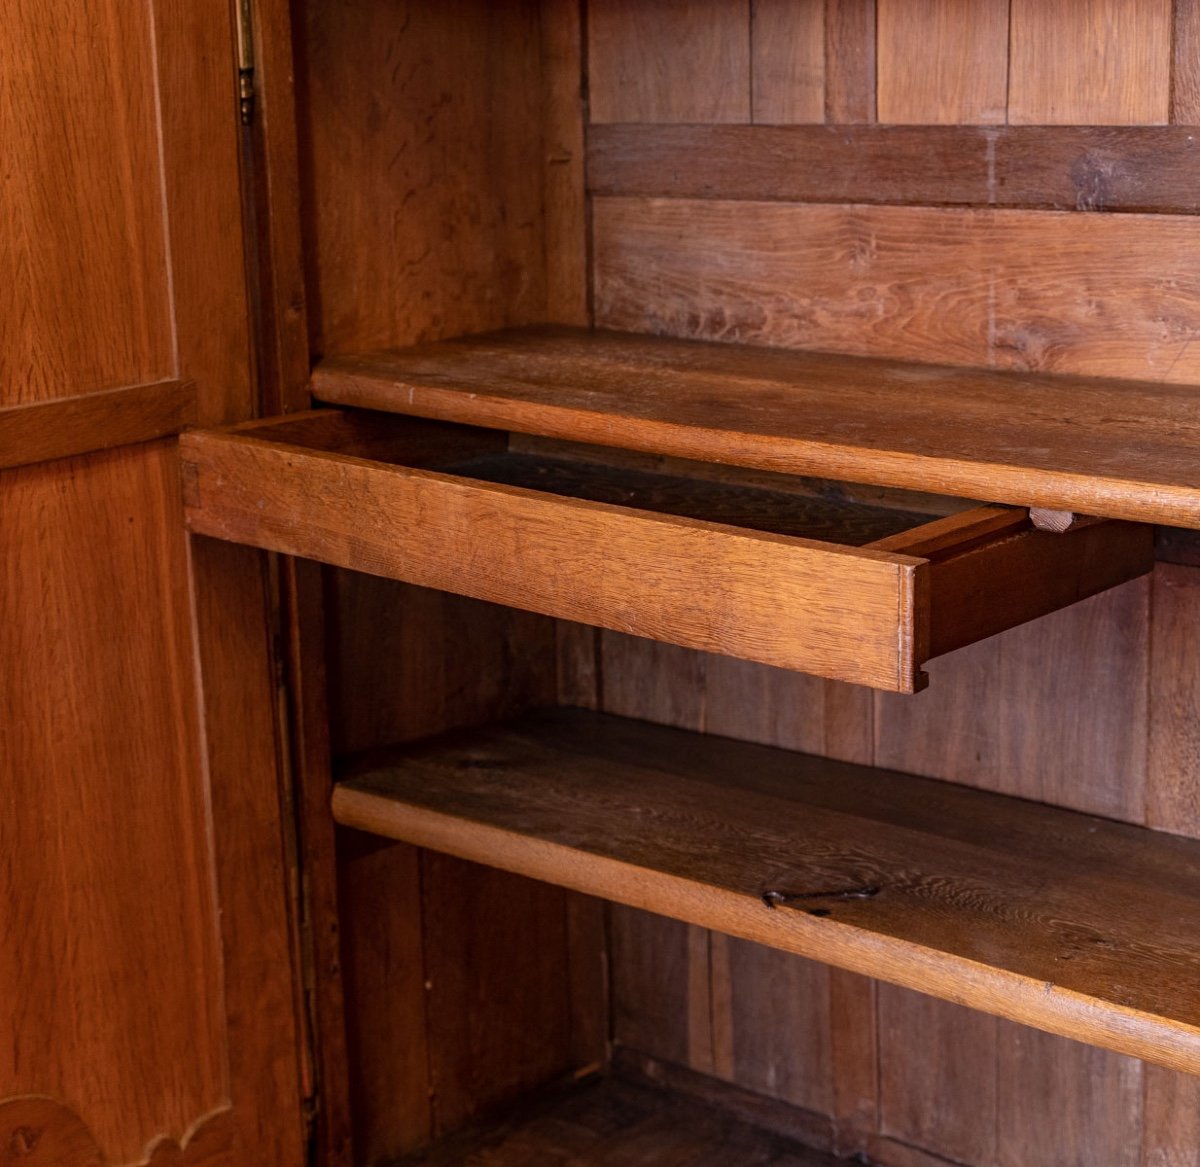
x: 1069, y: 923
x: 609, y: 1121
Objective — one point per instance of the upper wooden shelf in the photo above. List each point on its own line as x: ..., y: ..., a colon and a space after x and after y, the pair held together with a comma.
x: 1122, y: 449
x: 1073, y: 924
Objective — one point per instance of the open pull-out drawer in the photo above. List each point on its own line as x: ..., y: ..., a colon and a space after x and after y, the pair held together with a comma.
x: 767, y: 567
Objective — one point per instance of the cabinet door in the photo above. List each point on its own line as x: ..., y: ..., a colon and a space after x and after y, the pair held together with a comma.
x: 123, y: 316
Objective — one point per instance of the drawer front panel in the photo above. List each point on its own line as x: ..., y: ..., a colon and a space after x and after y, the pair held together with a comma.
x: 847, y: 613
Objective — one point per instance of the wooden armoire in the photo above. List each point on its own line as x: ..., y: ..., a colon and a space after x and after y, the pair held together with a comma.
x: 599, y: 582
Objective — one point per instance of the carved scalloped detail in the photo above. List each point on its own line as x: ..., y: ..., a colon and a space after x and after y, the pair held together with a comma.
x: 36, y: 1131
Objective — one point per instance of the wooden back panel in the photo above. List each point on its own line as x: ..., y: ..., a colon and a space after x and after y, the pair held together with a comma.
x: 751, y: 235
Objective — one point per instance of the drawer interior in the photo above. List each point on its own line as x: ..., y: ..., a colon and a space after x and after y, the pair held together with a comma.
x: 840, y: 513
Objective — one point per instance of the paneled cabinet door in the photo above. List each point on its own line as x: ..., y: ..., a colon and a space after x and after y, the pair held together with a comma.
x: 127, y: 1031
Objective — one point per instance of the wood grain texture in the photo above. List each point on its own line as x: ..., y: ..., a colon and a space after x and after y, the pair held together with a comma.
x: 42, y: 1132
x: 116, y: 976
x: 1172, y: 797
x: 942, y: 63
x: 498, y: 1002
x: 653, y: 990
x: 424, y: 170
x: 403, y: 663
x: 1084, y: 168
x: 274, y: 243
x: 571, y: 559
x: 1006, y: 437
x: 1185, y: 70
x: 787, y: 46
x: 1110, y: 297
x: 673, y: 61
x: 564, y: 201
x: 61, y: 428
x: 304, y: 705
x: 86, y: 301
x: 849, y: 61
x: 1171, y: 1118
x: 383, y: 965
x: 255, y: 856
x: 1040, y: 1080
x: 618, y: 1121
x: 1091, y: 62
x: 1088, y: 664
x: 937, y: 1083
x: 1090, y: 897
x: 193, y: 47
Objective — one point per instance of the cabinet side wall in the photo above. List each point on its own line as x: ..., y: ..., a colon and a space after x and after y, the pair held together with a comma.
x: 442, y: 175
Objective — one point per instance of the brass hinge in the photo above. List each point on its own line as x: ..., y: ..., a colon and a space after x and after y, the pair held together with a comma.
x: 245, y: 59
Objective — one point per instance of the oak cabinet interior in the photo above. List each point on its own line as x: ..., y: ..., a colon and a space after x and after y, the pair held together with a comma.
x: 580, y: 521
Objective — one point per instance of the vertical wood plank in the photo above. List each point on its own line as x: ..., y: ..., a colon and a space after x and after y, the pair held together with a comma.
x: 854, y: 1058
x: 942, y: 62
x: 659, y: 966
x: 199, y: 143
x: 110, y: 964
x: 1090, y: 62
x: 499, y: 1010
x: 1063, y: 1104
x: 1173, y: 771
x: 670, y: 61
x: 588, y: 980
x: 1171, y: 1119
x: 425, y: 169
x: 565, y: 236
x: 1054, y: 710
x: 787, y: 61
x: 255, y: 878
x: 849, y: 61
x: 938, y: 1076
x: 1171, y: 1137
x: 650, y: 984
x: 1185, y: 68
x: 384, y: 962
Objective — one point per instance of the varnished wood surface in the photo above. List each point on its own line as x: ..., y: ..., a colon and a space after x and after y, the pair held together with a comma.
x: 1048, y: 917
x: 609, y: 1122
x: 111, y: 965
x: 851, y: 612
x: 1059, y: 442
x: 36, y: 1131
x: 47, y: 430
x: 1084, y: 168
x: 268, y: 1066
x: 942, y: 62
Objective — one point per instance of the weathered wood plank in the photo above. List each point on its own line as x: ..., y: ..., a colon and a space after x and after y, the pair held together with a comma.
x: 1084, y: 168
x: 1043, y: 916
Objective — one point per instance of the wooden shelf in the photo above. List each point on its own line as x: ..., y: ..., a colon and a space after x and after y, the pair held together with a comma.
x: 609, y: 1121
x: 1122, y: 449
x: 1073, y: 924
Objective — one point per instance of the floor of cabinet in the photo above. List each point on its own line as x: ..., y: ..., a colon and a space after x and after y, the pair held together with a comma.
x: 611, y: 1122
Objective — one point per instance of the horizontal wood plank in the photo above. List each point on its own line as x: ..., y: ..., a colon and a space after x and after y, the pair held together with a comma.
x: 1122, y: 449
x: 64, y: 427
x: 1072, y: 924
x: 845, y: 612
x: 1080, y: 168
x: 1099, y: 295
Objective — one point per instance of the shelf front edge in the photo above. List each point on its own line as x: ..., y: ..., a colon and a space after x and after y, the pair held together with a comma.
x: 990, y: 989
